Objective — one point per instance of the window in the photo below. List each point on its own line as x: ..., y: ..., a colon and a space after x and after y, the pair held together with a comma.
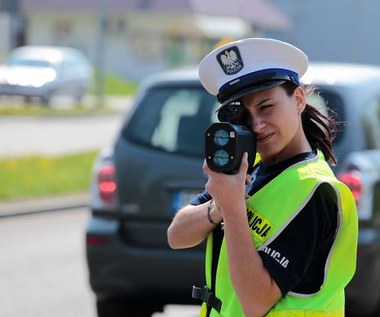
x: 371, y: 123
x: 147, y: 45
x: 173, y: 119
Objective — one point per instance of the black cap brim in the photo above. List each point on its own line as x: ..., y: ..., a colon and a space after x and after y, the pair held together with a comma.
x: 252, y: 89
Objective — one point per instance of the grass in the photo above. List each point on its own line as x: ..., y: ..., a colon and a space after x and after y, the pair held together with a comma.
x: 41, y: 176
x: 115, y: 85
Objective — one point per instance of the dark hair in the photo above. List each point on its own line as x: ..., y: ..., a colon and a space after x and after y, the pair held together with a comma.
x: 320, y: 130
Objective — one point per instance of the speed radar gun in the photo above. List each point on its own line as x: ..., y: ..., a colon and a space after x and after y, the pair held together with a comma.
x: 227, y: 140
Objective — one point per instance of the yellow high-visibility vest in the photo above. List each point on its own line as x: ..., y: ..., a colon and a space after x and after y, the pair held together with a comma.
x: 275, y: 205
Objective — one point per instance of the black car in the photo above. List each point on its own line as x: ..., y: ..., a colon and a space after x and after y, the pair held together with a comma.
x: 155, y: 167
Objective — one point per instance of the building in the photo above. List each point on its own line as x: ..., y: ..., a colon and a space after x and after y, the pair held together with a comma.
x: 133, y: 38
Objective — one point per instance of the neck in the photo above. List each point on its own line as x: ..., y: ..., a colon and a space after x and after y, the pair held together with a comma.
x: 298, y: 145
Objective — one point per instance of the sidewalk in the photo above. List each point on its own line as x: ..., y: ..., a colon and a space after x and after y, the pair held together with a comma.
x: 55, y: 135
x: 60, y: 134
x: 32, y: 206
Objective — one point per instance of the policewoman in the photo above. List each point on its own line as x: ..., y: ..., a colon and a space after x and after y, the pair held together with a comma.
x: 282, y: 240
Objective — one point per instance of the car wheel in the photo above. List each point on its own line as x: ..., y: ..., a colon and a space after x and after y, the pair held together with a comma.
x: 377, y: 311
x: 121, y: 307
x: 45, y: 100
x: 78, y: 96
x: 28, y: 99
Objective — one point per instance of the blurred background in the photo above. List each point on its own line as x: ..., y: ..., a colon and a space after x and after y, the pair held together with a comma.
x: 48, y: 144
x: 128, y: 40
x: 131, y: 39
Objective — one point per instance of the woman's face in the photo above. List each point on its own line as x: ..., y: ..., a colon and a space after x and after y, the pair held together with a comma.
x: 275, y: 118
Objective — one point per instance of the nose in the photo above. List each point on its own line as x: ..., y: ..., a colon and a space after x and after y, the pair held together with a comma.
x: 257, y: 123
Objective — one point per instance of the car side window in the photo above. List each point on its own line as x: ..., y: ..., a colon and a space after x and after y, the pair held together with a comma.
x: 371, y: 123
x: 68, y: 65
x: 317, y: 101
x: 331, y: 104
x: 173, y: 119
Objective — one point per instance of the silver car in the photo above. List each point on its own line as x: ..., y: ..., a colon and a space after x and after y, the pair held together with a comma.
x: 45, y: 71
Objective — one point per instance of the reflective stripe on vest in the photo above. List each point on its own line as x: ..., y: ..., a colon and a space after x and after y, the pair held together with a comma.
x: 269, y: 211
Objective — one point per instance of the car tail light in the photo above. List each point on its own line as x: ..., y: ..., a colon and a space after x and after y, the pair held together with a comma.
x: 107, y: 183
x: 353, y: 182
x: 92, y: 240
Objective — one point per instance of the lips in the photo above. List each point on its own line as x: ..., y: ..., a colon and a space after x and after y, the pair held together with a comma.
x: 263, y: 138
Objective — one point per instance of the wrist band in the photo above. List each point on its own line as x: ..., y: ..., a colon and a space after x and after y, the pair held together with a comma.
x: 209, y: 216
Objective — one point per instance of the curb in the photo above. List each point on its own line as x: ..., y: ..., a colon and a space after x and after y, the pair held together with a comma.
x: 40, y: 205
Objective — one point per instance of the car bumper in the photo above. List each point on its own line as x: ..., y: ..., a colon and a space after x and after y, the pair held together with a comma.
x: 25, y: 91
x: 118, y: 269
x: 363, y: 292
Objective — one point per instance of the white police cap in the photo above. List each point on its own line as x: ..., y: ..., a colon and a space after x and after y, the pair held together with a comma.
x: 250, y: 65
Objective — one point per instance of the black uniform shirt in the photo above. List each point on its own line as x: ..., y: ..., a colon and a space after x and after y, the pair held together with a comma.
x: 296, y: 258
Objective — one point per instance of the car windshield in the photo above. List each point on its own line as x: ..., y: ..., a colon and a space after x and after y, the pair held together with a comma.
x: 22, y: 61
x: 173, y: 119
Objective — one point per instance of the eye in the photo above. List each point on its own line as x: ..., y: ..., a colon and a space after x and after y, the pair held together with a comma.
x: 265, y: 107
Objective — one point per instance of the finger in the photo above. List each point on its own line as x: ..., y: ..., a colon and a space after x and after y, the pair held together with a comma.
x: 206, y: 169
x: 248, y: 179
x: 244, y: 163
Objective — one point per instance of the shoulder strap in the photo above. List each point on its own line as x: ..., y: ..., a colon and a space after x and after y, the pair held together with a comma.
x: 216, y: 244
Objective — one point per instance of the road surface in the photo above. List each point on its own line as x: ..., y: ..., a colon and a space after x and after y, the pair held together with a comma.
x: 43, y: 270
x: 56, y: 135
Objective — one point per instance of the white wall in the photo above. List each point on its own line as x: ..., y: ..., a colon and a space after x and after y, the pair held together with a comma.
x: 118, y: 54
x: 134, y: 46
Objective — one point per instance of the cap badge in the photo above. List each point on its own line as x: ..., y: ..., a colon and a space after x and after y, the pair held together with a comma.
x: 230, y: 60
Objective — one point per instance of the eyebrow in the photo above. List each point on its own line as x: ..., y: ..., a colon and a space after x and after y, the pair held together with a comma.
x: 258, y: 104
x: 261, y: 102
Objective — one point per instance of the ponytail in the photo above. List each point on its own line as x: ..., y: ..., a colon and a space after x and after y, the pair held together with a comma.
x: 320, y: 130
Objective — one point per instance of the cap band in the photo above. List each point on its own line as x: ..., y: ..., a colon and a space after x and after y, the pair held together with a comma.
x: 256, y: 79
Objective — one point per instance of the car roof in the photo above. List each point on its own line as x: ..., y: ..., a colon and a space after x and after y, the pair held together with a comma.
x: 343, y: 74
x: 318, y: 73
x: 183, y: 74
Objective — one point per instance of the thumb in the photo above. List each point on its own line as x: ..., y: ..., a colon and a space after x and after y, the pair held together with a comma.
x: 244, y: 163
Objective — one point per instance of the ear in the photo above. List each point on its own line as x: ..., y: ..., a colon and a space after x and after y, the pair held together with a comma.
x: 300, y: 98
